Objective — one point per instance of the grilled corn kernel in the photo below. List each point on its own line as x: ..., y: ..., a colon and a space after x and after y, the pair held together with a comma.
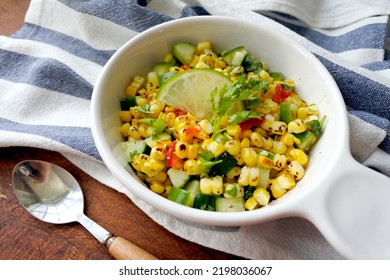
x: 202, y: 64
x: 125, y: 116
x: 249, y: 156
x: 216, y: 148
x: 254, y: 176
x: 276, y: 189
x: 124, y: 129
x: 181, y: 149
x: 246, y: 133
x: 232, y: 147
x: 194, y: 60
x: 264, y: 161
x: 296, y: 126
x: 152, y: 167
x: 231, y: 190
x: 286, y: 181
x: 279, y: 147
x: 193, y: 151
x: 157, y: 187
x: 211, y: 185
x: 203, y: 45
x: 296, y: 170
x: 134, y: 133
x: 168, y: 57
x: 262, y: 196
x: 193, y: 167
x: 300, y: 156
x: 240, y: 160
x: 233, y: 130
x: 244, y: 177
x: 138, y: 161
x: 279, y: 161
x: 135, y: 85
x: 268, y: 143
x: 245, y: 143
x: 256, y: 139
x: 234, y: 172
x: 161, y: 177
x: 251, y: 204
x: 279, y: 127
x: 158, y: 152
x: 220, y: 63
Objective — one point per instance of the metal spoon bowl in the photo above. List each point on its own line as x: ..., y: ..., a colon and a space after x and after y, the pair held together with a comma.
x: 51, y: 194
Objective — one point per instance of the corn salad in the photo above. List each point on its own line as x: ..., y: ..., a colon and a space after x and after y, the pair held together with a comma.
x: 245, y: 163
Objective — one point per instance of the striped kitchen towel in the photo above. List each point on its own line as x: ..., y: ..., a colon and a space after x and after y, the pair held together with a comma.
x: 48, y: 69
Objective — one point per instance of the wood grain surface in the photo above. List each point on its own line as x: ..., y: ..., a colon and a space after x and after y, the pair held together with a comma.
x: 22, y: 237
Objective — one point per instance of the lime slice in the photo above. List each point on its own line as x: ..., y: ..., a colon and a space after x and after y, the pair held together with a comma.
x: 190, y: 90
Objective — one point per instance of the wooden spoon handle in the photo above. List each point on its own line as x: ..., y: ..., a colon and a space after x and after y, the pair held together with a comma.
x: 121, y: 249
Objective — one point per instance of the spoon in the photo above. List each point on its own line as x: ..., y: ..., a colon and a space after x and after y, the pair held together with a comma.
x: 51, y: 194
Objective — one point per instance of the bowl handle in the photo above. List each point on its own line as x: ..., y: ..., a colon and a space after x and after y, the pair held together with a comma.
x: 352, y: 210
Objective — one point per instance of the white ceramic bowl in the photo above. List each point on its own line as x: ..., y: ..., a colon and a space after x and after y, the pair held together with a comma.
x: 331, y: 195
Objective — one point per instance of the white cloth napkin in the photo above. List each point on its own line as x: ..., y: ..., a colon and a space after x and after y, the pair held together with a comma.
x: 49, y: 67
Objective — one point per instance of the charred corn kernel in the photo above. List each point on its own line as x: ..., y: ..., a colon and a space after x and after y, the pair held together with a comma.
x: 135, y: 112
x: 157, y: 187
x: 296, y: 170
x: 244, y: 177
x: 220, y: 63
x: 286, y: 181
x: 256, y: 139
x: 155, y: 108
x: 240, y: 160
x: 193, y: 167
x: 300, y: 156
x: 237, y: 70
x: 267, y: 122
x: 153, y: 77
x: 252, y: 75
x: 203, y: 45
x: 134, y: 133
x: 202, y: 64
x: 234, y: 172
x: 264, y: 75
x: 206, y: 126
x: 268, y: 143
x: 313, y: 110
x: 181, y: 122
x: 175, y: 69
x: 135, y: 85
x: 287, y: 139
x: 193, y: 151
x: 231, y: 190
x: 246, y: 133
x: 279, y: 147
x: 251, y: 204
x: 278, y: 127
x: 194, y: 60
x: 289, y: 82
x: 183, y: 136
x: 296, y: 126
x: 276, y: 189
x: 167, y: 190
x: 138, y: 161
x: 170, y: 118
x: 205, y: 143
x: 254, y: 176
x: 143, y: 130
x: 245, y: 143
x: 211, y: 185
x: 234, y: 130
x: 279, y: 161
x: 302, y: 113
x: 124, y: 129
x: 125, y: 116
x: 232, y: 147
x: 262, y: 196
x: 264, y: 161
x: 161, y: 177
x: 141, y: 92
x: 224, y: 121
x: 158, y: 152
x: 168, y: 57
x: 181, y: 149
x: 249, y: 156
x: 152, y: 167
x: 216, y: 148
x: 140, y: 100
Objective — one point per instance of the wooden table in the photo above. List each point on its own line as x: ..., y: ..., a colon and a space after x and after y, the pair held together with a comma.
x: 24, y: 237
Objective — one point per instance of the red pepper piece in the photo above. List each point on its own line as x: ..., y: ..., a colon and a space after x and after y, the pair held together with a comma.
x: 280, y: 94
x: 172, y: 159
x: 251, y: 122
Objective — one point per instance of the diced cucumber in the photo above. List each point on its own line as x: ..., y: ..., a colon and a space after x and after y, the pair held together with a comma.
x: 307, y: 139
x: 181, y: 196
x: 223, y: 204
x: 235, y: 56
x: 184, y: 51
x: 222, y: 168
x: 161, y: 68
x: 264, y: 174
x: 128, y: 102
x: 193, y: 186
x: 132, y: 148
x: 165, y: 77
x: 204, y: 202
x: 288, y: 112
x: 162, y: 136
x: 178, y: 177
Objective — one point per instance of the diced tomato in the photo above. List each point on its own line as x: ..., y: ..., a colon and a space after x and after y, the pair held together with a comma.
x: 280, y: 94
x: 185, y: 67
x: 172, y: 159
x: 192, y: 131
x: 180, y: 112
x: 251, y: 122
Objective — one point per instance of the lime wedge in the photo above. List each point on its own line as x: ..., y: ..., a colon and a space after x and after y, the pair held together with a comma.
x: 190, y: 90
